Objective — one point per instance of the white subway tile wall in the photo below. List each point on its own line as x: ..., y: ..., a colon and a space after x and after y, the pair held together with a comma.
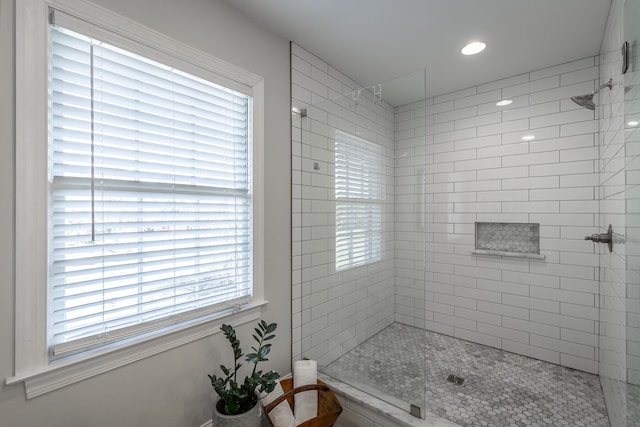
x: 334, y: 311
x: 479, y: 168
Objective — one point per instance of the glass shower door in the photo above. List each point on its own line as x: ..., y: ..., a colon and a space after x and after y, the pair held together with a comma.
x: 632, y: 216
x: 362, y: 242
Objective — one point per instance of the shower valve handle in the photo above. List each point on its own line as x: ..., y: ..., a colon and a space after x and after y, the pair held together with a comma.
x: 603, y: 238
x: 599, y: 238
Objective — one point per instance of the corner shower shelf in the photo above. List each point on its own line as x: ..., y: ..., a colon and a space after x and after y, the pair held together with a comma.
x: 510, y: 240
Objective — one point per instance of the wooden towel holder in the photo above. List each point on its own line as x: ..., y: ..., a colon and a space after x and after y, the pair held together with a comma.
x: 329, y: 409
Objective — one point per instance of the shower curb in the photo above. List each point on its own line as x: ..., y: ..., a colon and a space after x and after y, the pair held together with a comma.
x: 383, y: 413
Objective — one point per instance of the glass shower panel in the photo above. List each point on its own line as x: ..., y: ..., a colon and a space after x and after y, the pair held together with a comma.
x: 362, y: 263
x: 632, y: 217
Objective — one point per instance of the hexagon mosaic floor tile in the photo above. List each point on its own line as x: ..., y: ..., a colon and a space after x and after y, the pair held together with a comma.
x: 499, y: 388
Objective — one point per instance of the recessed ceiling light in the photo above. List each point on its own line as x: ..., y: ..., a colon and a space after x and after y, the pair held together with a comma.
x: 633, y: 123
x: 473, y: 48
x: 504, y: 102
x: 528, y: 137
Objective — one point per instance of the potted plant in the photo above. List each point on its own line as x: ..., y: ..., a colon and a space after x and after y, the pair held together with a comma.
x: 238, y: 401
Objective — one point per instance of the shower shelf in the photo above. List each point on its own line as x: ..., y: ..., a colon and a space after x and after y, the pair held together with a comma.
x: 507, y: 254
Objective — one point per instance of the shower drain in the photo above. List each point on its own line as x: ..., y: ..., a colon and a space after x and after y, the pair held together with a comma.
x: 455, y: 379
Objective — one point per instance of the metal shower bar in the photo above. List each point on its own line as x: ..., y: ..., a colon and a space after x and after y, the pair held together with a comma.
x: 376, y: 89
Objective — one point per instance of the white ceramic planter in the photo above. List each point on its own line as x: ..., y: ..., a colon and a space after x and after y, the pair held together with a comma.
x: 251, y: 418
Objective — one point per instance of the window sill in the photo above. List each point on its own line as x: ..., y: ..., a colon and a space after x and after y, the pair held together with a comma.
x: 61, y: 374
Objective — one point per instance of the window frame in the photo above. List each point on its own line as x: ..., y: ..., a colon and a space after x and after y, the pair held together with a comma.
x: 32, y: 364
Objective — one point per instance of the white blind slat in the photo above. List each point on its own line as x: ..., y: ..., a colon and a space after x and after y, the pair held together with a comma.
x: 150, y: 194
x: 77, y: 304
x: 84, y: 338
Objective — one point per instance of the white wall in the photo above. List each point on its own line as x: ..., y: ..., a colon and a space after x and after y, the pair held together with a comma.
x: 334, y: 311
x: 479, y: 169
x: 171, y: 388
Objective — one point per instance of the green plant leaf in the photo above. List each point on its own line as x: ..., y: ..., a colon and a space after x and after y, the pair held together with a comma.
x: 265, y: 350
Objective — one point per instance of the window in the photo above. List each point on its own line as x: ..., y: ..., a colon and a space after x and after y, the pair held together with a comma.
x: 360, y: 196
x: 150, y: 202
x: 138, y: 193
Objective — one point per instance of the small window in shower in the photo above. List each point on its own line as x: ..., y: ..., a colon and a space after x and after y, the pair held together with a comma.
x: 360, y: 195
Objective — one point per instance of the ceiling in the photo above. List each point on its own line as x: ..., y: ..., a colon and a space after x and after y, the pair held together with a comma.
x: 377, y: 40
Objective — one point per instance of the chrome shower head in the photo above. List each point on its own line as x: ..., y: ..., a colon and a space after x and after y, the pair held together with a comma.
x: 586, y: 101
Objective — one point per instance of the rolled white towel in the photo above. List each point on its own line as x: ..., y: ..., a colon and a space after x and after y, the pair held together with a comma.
x: 306, y: 403
x: 281, y: 415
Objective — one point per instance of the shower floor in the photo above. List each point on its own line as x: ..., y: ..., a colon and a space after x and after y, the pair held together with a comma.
x: 499, y: 389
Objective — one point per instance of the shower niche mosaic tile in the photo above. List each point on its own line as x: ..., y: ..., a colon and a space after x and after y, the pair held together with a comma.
x: 508, y: 239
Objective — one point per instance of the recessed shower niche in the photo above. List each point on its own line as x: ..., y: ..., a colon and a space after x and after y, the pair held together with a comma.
x: 517, y: 240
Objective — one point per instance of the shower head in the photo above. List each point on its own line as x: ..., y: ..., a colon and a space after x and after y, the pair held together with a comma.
x: 586, y: 101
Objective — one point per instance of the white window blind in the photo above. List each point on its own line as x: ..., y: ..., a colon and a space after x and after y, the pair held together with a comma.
x: 150, y: 213
x: 360, y: 194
